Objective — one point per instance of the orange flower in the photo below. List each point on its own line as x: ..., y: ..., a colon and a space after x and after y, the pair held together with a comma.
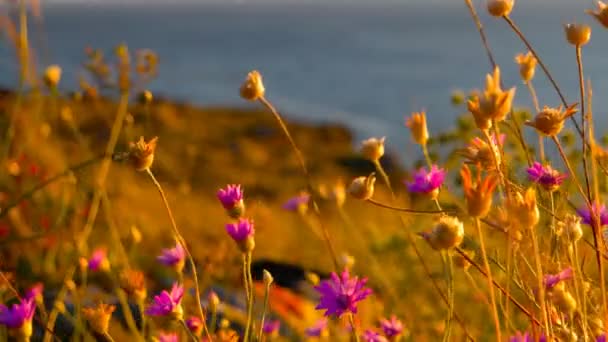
x: 141, y: 153
x: 527, y: 65
x: 500, y: 8
x: 478, y: 195
x: 577, y: 34
x: 417, y: 125
x: 493, y: 104
x: 550, y: 121
x: 601, y: 14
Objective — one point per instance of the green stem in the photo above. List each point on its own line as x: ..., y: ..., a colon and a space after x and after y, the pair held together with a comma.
x: 351, y: 320
x: 266, y: 297
x: 249, y: 286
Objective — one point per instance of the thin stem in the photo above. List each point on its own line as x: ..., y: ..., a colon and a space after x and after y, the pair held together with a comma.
x: 107, y: 337
x: 265, y: 309
x: 182, y: 241
x: 427, y: 156
x: 188, y: 331
x: 351, y: 320
x: 482, y: 246
x: 311, y: 190
x: 540, y: 283
x: 581, y: 82
x: 542, y: 65
x: 128, y: 314
x: 570, y: 169
x: 249, y: 285
x: 541, y: 143
x: 449, y: 273
x: 408, y: 210
x: 482, y: 34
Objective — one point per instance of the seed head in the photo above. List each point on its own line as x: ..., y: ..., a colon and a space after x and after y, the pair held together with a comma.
x: 522, y: 208
x: 527, y: 66
x: 362, y: 187
x: 268, y: 279
x: 253, y: 88
x: 373, y: 149
x: 550, y: 121
x: 141, y: 153
x: 99, y: 317
x: 417, y: 125
x: 500, y: 8
x: 447, y: 233
x: 571, y: 228
x: 479, y: 152
x: 577, y: 34
x: 601, y: 14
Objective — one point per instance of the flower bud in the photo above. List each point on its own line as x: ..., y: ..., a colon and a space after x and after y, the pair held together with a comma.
x: 362, y: 187
x: 527, y: 65
x: 373, y: 149
x: 99, y: 317
x: 577, y: 34
x: 141, y: 153
x: 550, y: 121
x: 312, y: 278
x: 213, y: 301
x: 417, y: 125
x: 571, y: 228
x: 347, y: 261
x: 447, y: 233
x: 253, y: 88
x: 523, y: 209
x: 268, y: 279
x: 500, y: 8
x: 52, y: 76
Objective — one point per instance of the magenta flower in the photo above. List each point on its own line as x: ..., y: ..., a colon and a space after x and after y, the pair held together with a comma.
x: 18, y: 314
x: 231, y: 196
x: 598, y: 210
x: 426, y: 182
x: 172, y: 257
x: 525, y: 337
x: 318, y: 329
x: 392, y: 327
x: 372, y: 336
x: 550, y: 280
x: 241, y: 230
x: 341, y: 294
x: 195, y: 325
x: 271, y: 327
x: 99, y: 260
x: 601, y: 338
x: 167, y: 302
x: 35, y: 291
x: 297, y: 203
x: 547, y: 177
x: 167, y: 337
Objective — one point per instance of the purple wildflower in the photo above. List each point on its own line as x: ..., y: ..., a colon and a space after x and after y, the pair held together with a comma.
x: 318, y: 329
x: 297, y: 203
x: 340, y: 294
x: 167, y: 302
x: 270, y: 327
x: 372, y: 336
x: 34, y: 292
x: 550, y: 280
x: 241, y: 230
x: 195, y: 325
x: 231, y: 196
x: 392, y: 327
x: 525, y: 337
x: 18, y: 314
x: 597, y: 209
x: 173, y: 257
x: 99, y: 260
x: 546, y: 176
x: 167, y: 337
x: 426, y: 182
x: 601, y: 338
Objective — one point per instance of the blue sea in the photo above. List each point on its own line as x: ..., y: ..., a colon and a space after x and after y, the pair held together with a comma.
x: 365, y: 65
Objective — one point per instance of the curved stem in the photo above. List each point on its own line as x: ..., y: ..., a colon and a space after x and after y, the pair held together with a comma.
x: 188, y: 331
x: 265, y: 309
x: 489, y: 277
x: 351, y: 320
x: 311, y: 190
x: 541, y: 144
x: 570, y: 169
x: 182, y: 241
x: 482, y: 34
x: 542, y: 65
x: 581, y: 82
x: 249, y: 285
x: 408, y: 210
x: 540, y: 283
x: 449, y: 273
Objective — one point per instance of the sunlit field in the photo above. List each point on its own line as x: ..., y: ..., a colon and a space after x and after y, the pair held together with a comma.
x: 127, y: 216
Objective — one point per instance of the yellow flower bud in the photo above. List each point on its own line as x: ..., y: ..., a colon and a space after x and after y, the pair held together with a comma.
x: 253, y: 88
x: 373, y: 149
x: 527, y: 65
x: 362, y: 187
x: 601, y: 14
x: 99, y: 317
x: 52, y: 76
x: 522, y: 209
x: 577, y: 34
x: 417, y: 125
x: 500, y: 8
x: 268, y: 279
x: 213, y: 301
x: 141, y: 153
x: 312, y: 278
x: 550, y: 121
x: 347, y: 261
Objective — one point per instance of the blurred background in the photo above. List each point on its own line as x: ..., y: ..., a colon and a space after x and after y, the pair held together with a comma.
x: 361, y: 63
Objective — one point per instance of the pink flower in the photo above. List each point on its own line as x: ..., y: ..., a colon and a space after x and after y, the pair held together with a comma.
x: 167, y: 337
x: 426, y: 182
x: 545, y: 176
x: 550, y: 280
x: 340, y: 294
x: 270, y: 327
x: 318, y: 329
x: 99, y: 260
x: 167, y: 302
x: 596, y: 210
x: 241, y: 230
x: 392, y: 327
x: 231, y: 196
x: 372, y: 336
x: 172, y: 256
x: 18, y: 314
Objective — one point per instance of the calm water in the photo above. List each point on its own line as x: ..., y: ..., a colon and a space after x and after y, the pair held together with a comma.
x: 362, y: 65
